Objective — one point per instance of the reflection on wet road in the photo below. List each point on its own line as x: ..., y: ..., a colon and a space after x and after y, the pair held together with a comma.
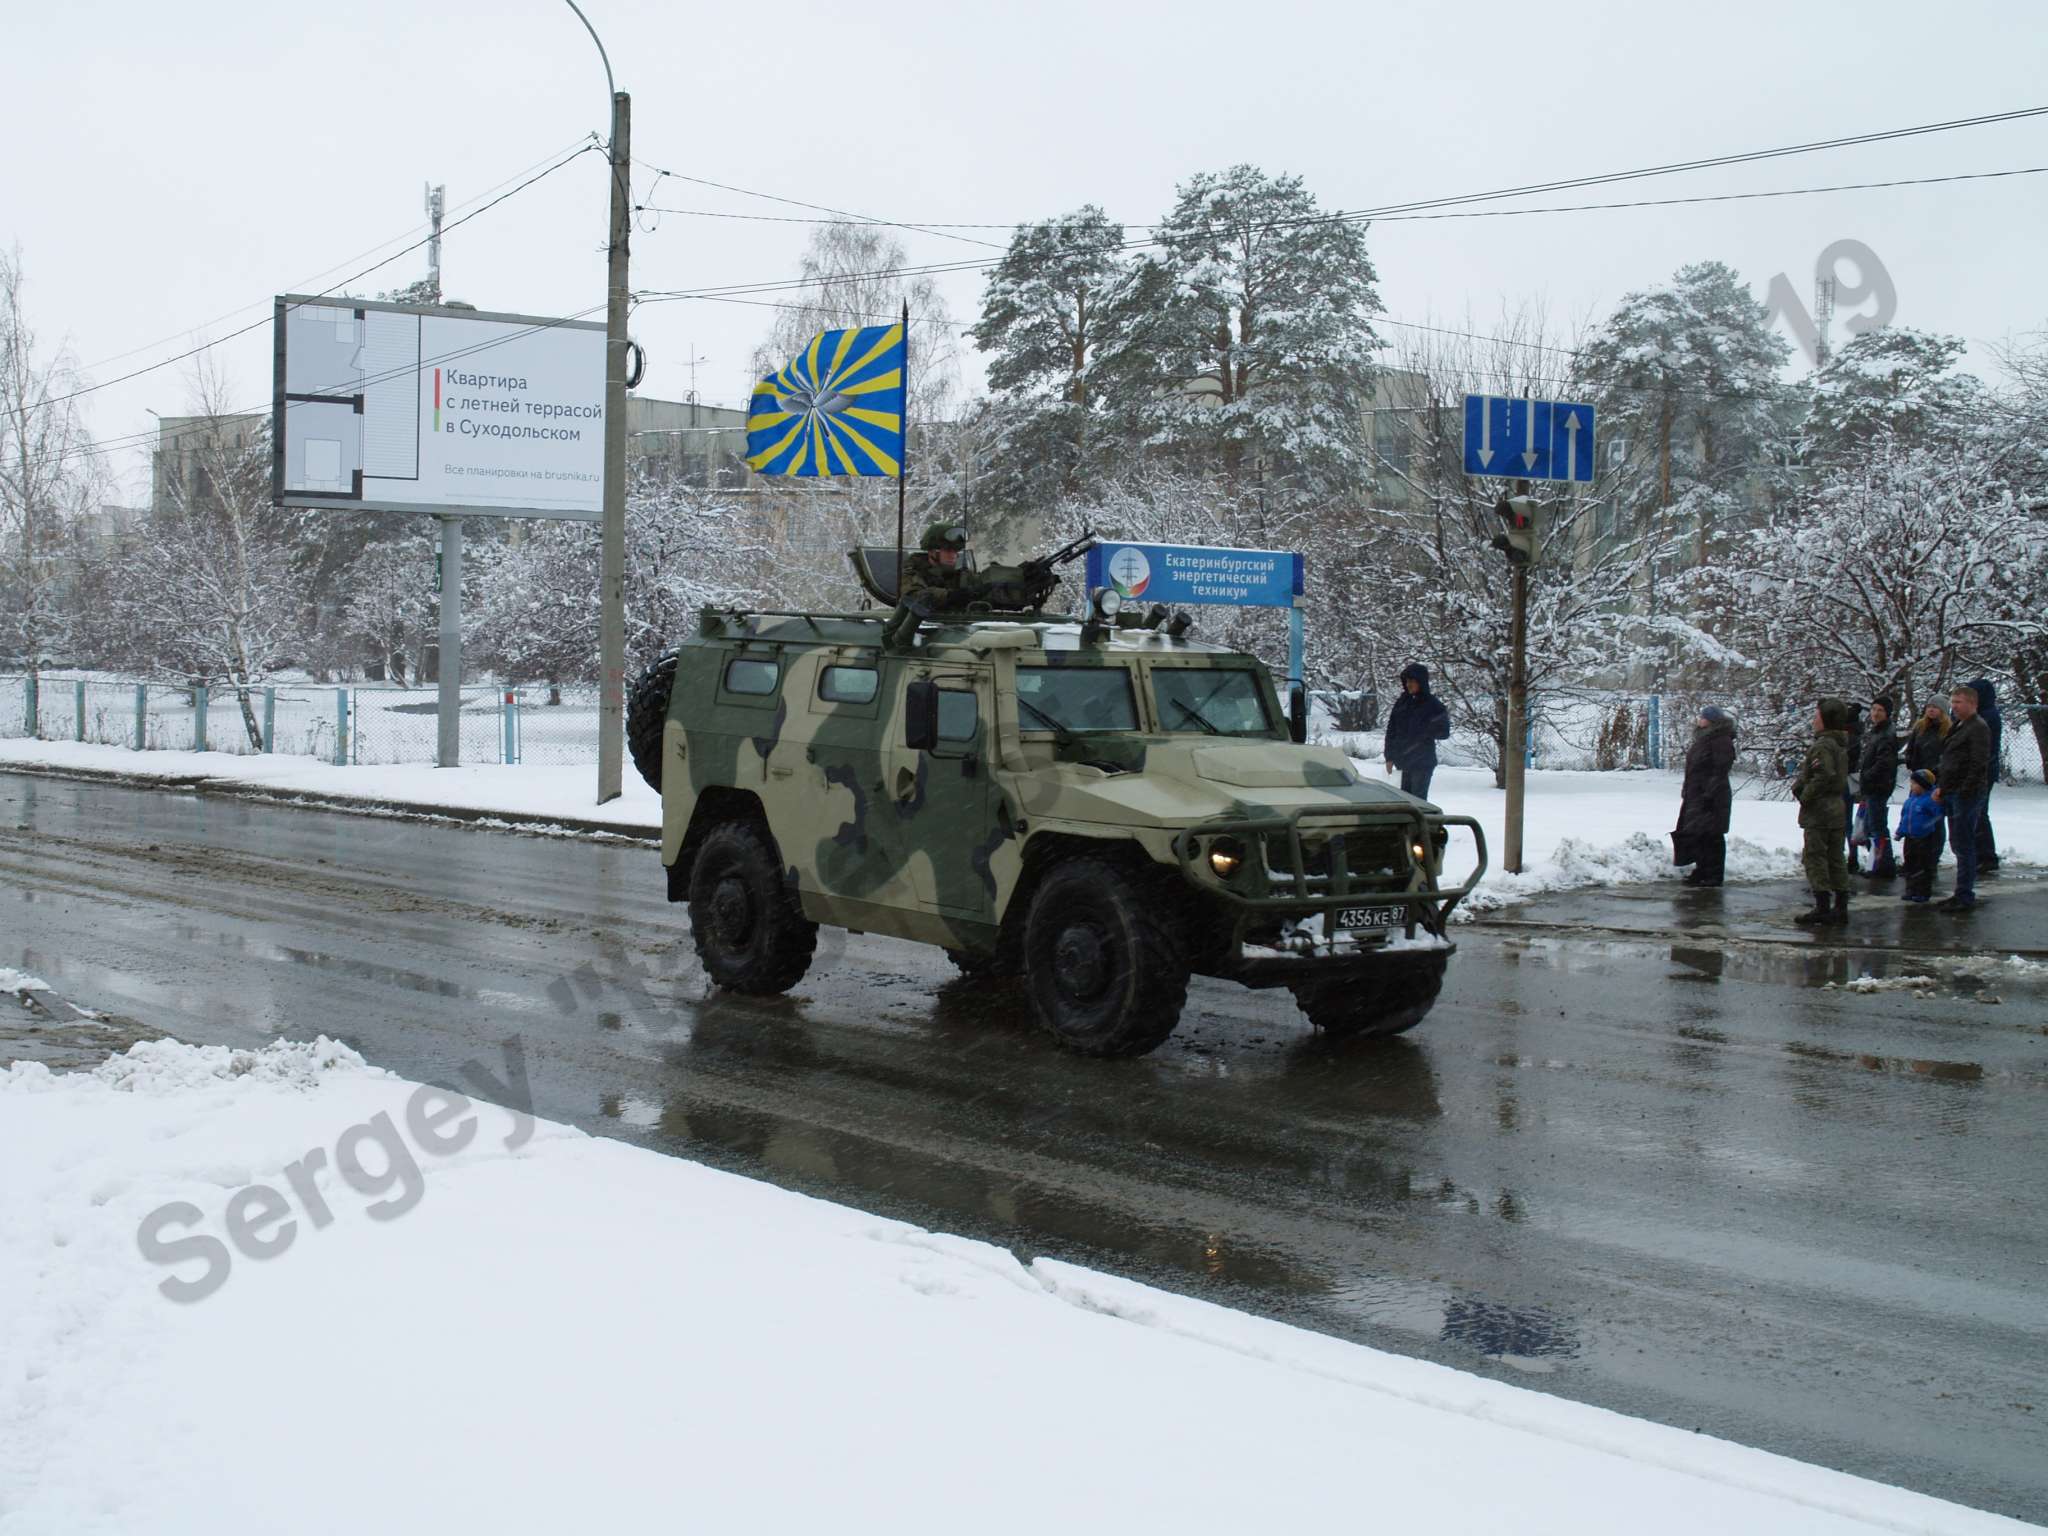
x: 1690, y: 1180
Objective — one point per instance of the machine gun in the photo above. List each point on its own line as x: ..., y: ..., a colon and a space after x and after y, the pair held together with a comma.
x: 1014, y: 588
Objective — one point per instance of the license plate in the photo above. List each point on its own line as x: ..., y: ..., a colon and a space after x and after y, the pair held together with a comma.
x: 1368, y: 917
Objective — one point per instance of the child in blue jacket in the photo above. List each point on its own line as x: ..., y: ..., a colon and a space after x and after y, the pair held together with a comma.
x: 1920, y: 831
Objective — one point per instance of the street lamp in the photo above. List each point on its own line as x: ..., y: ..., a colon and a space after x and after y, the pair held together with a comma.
x: 611, y: 581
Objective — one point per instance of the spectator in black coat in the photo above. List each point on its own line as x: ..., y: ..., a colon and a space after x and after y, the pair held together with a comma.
x: 1705, y: 800
x: 1923, y: 751
x: 1988, y: 711
x: 1877, y: 775
x: 1962, y: 782
x: 1416, y: 723
x: 1849, y: 789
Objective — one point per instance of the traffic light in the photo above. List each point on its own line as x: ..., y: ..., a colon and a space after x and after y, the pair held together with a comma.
x: 1518, y: 540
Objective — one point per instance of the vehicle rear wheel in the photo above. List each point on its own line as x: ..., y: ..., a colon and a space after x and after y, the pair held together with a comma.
x: 1373, y: 1004
x: 1107, y: 976
x: 749, y: 931
x: 647, y: 715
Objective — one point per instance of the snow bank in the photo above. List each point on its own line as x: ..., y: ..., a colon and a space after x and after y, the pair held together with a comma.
x: 19, y: 982
x: 554, y: 1332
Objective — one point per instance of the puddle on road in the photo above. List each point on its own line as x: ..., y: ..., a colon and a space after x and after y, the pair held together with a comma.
x: 1940, y: 1071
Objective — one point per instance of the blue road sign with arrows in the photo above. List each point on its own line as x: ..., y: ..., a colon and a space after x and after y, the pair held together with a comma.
x: 1528, y: 439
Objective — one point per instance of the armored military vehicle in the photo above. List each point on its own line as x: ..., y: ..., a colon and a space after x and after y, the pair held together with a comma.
x: 1099, y: 806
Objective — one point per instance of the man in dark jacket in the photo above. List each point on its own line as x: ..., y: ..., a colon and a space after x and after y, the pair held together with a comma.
x: 1877, y: 775
x: 1416, y: 723
x: 1818, y: 789
x: 1961, y: 783
x: 1988, y: 712
x: 1849, y: 788
x: 1705, y: 800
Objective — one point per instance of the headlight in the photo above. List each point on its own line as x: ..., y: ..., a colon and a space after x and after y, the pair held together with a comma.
x: 1225, y: 855
x: 1106, y: 601
x: 1421, y: 852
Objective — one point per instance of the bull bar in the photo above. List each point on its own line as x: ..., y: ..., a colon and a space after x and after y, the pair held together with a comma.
x: 1335, y: 888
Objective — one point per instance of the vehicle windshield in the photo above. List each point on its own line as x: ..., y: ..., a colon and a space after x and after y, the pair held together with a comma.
x: 1212, y: 700
x: 1076, y: 699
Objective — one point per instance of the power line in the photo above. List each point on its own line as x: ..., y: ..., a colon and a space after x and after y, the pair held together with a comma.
x: 1479, y: 213
x: 854, y: 218
x: 325, y: 292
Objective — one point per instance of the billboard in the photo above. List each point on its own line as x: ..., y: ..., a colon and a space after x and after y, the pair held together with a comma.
x: 1187, y: 574
x: 415, y: 408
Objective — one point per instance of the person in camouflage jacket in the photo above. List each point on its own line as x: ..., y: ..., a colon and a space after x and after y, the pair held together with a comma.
x: 1824, y: 814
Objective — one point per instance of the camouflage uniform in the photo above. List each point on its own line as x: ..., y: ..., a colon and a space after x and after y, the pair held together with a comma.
x: 924, y: 586
x: 1822, y: 812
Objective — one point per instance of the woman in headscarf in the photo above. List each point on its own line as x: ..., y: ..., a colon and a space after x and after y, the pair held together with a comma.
x: 1705, y: 800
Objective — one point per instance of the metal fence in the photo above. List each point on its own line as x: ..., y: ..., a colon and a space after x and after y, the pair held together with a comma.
x: 535, y: 723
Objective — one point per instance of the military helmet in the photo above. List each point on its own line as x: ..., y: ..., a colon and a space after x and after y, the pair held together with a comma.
x: 943, y: 536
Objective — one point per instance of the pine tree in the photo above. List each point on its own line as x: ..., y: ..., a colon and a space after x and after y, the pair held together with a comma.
x: 1890, y: 381
x: 1045, y: 314
x: 1245, y: 344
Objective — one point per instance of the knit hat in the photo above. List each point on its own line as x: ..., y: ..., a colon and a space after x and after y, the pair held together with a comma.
x: 1924, y: 777
x: 1891, y: 705
x: 1713, y: 714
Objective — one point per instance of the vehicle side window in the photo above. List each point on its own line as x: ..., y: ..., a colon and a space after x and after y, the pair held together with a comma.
x: 745, y: 674
x: 848, y: 685
x: 958, y: 715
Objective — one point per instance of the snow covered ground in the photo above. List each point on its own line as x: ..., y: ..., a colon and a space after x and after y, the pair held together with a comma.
x: 410, y: 1312
x: 1580, y: 828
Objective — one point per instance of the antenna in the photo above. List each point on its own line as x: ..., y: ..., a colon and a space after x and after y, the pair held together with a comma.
x: 437, y: 198
x: 1823, y: 318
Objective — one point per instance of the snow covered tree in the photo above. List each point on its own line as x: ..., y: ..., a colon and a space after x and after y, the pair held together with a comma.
x: 533, y: 613
x: 47, y: 473
x: 1898, y: 571
x: 390, y: 605
x: 212, y: 590
x: 1045, y: 313
x: 1245, y: 345
x: 1891, y: 381
x: 1687, y: 376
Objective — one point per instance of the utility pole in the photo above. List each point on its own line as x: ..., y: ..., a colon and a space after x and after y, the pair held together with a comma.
x: 449, y: 708
x: 1823, y: 318
x: 1518, y: 718
x: 437, y: 198
x: 611, y: 711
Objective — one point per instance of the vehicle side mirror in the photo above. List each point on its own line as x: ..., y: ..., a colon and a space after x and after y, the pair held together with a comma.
x: 921, y: 716
x: 1297, y: 714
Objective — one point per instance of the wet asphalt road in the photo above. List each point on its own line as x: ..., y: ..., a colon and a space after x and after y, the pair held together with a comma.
x: 1674, y: 1175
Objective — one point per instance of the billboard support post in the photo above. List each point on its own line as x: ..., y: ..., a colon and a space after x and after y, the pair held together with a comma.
x: 449, y: 712
x: 611, y: 710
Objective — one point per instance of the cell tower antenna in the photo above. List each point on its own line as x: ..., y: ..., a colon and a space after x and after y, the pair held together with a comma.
x: 1823, y: 318
x: 437, y: 199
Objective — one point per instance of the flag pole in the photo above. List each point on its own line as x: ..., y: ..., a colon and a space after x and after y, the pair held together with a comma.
x: 903, y: 458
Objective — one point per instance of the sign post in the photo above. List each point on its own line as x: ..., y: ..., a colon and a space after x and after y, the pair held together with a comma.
x: 1523, y: 441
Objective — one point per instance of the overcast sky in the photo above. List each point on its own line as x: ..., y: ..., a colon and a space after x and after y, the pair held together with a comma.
x: 170, y: 168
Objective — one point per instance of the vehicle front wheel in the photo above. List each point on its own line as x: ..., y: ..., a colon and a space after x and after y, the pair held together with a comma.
x: 1373, y: 1004
x: 1107, y: 976
x: 749, y: 931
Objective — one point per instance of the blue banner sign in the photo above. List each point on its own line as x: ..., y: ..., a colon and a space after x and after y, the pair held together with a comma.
x: 1528, y: 439
x: 1181, y: 575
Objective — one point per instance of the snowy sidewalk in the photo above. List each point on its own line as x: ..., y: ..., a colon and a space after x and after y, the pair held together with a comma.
x: 1581, y: 829
x: 418, y: 1313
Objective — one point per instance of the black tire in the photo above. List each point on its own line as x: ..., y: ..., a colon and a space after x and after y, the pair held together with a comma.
x: 1373, y: 1004
x: 749, y: 931
x: 647, y: 714
x: 1106, y: 975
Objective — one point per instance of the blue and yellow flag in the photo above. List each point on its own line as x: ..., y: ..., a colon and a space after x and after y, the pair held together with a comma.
x: 835, y: 410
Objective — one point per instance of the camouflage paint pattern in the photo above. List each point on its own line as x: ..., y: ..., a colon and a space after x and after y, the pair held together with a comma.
x: 931, y: 845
